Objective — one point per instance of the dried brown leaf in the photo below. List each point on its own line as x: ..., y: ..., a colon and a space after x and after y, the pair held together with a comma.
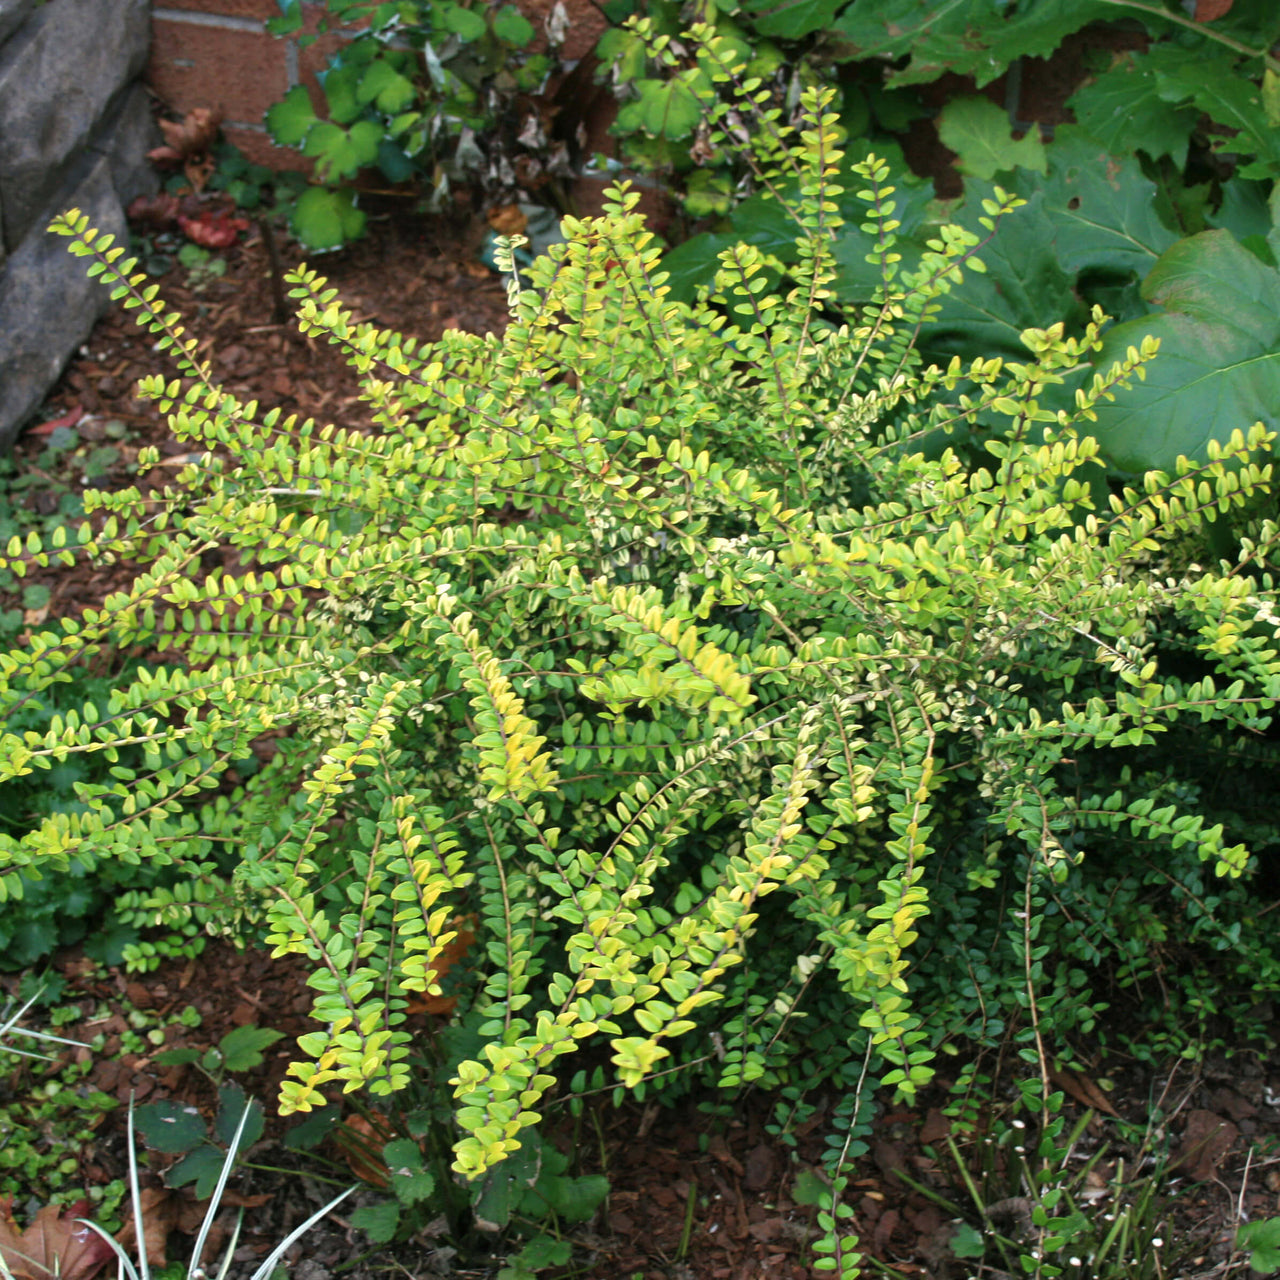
x: 1205, y: 1140
x: 160, y: 1209
x: 54, y: 1243
x: 1082, y: 1089
x: 193, y: 135
x: 507, y: 220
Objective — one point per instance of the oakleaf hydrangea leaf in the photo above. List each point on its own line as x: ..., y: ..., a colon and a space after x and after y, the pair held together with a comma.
x: 968, y: 37
x: 1124, y: 110
x: 1218, y: 370
x: 791, y: 19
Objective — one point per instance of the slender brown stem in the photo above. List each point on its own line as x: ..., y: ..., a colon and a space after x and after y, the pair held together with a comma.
x: 280, y: 305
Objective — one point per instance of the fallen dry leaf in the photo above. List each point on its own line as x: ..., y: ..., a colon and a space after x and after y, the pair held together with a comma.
x: 213, y: 230
x: 198, y: 170
x: 1211, y: 10
x: 936, y: 1127
x: 1205, y: 1140
x: 885, y: 1226
x: 67, y: 420
x: 507, y: 220
x: 54, y: 1243
x: 158, y: 212
x: 361, y: 1143
x: 452, y: 953
x: 161, y: 1209
x: 1082, y: 1089
x: 759, y: 1167
x: 193, y: 135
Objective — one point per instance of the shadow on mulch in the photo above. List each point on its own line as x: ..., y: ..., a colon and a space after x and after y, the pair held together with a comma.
x: 694, y: 1195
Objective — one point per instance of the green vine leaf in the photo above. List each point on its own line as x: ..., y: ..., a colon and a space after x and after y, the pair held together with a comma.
x: 342, y: 153
x: 241, y: 1048
x: 341, y: 85
x: 466, y: 24
x: 292, y: 118
x: 1262, y: 1240
x: 386, y: 88
x: 978, y: 132
x: 666, y: 108
x: 510, y: 25
x: 327, y: 218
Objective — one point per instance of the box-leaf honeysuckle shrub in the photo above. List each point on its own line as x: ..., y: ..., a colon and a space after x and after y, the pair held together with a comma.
x: 648, y: 637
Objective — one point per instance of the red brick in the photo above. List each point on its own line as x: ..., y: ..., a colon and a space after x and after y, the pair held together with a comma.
x: 586, y: 25
x: 261, y: 150
x: 228, y: 8
x: 239, y: 72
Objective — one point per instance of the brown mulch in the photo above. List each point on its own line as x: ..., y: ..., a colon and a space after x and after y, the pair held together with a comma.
x: 699, y: 1191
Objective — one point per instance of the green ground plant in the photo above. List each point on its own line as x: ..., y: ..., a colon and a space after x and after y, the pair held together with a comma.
x: 88, y: 901
x: 428, y: 93
x: 139, y: 1269
x: 525, y: 1209
x: 1035, y: 1197
x: 48, y: 1115
x: 653, y: 635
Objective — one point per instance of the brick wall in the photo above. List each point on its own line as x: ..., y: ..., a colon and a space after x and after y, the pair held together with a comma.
x: 218, y: 54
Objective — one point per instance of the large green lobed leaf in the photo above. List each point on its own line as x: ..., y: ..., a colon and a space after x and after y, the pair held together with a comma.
x: 1219, y: 364
x: 969, y: 37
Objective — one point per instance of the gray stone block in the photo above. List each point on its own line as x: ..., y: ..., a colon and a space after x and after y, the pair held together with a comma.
x: 48, y: 302
x: 12, y: 13
x: 125, y: 137
x: 59, y: 76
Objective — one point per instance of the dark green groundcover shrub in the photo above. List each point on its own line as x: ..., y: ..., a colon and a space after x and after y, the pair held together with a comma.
x: 647, y: 636
x: 79, y: 903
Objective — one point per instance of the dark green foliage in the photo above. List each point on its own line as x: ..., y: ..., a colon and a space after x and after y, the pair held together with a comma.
x: 77, y: 903
x: 49, y: 1115
x: 1171, y: 142
x: 176, y: 1128
x: 408, y: 96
